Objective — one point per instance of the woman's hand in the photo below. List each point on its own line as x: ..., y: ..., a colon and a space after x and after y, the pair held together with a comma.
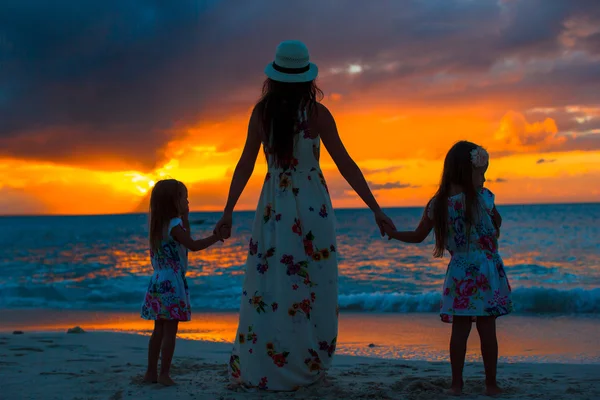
x: 384, y: 222
x: 223, y: 227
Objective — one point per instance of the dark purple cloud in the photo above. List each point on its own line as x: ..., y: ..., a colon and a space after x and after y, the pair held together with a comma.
x: 385, y: 170
x: 545, y: 161
x: 391, y: 185
x: 121, y: 77
x: 570, y: 119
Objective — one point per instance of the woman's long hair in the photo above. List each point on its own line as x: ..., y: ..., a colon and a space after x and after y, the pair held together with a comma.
x: 279, y: 108
x: 458, y: 170
x: 164, y: 206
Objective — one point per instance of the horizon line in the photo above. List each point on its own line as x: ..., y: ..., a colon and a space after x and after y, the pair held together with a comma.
x: 253, y: 210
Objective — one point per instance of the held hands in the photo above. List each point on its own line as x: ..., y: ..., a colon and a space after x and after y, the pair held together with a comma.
x: 224, y: 232
x: 386, y: 225
x: 390, y: 232
x: 223, y: 227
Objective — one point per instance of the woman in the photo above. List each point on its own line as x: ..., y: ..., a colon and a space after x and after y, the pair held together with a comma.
x: 288, y: 316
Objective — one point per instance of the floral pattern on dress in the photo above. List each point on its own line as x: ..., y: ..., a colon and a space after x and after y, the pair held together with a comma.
x: 287, y: 327
x: 167, y: 297
x: 313, y: 362
x: 328, y: 347
x: 476, y: 283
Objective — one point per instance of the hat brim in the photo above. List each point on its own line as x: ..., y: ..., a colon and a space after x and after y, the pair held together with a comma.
x: 307, y: 76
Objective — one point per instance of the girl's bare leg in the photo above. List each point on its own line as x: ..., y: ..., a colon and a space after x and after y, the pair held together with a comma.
x: 486, y: 326
x: 167, y: 350
x: 154, y: 352
x: 461, y: 327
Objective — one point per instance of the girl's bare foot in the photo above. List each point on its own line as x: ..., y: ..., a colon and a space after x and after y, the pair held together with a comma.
x: 455, y: 390
x: 150, y: 377
x: 492, y: 390
x: 166, y: 380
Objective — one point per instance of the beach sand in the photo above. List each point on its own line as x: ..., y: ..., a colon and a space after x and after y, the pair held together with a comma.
x: 108, y: 365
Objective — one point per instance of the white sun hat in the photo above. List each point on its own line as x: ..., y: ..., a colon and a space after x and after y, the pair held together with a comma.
x: 291, y: 63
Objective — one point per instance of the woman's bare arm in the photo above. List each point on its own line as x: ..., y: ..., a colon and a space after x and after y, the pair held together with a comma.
x: 241, y: 175
x: 327, y: 129
x: 245, y: 166
x: 325, y: 125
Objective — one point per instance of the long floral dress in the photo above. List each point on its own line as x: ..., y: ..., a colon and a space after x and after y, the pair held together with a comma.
x: 287, y: 328
x: 476, y: 283
x: 167, y: 297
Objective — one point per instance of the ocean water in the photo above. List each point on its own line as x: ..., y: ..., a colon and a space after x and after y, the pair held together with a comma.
x: 551, y: 252
x: 57, y: 272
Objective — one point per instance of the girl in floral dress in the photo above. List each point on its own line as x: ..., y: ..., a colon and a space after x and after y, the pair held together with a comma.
x: 287, y: 330
x: 467, y: 224
x: 167, y: 299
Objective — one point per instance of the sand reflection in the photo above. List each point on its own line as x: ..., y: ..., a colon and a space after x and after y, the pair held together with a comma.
x: 407, y: 336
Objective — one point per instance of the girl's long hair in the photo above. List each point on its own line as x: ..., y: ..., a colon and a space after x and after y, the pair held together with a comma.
x: 279, y: 106
x: 164, y: 206
x: 458, y: 170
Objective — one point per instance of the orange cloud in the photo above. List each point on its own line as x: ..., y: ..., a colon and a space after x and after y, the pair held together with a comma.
x: 517, y: 134
x: 400, y: 151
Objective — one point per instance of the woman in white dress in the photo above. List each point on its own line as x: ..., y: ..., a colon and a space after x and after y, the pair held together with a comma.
x: 287, y: 328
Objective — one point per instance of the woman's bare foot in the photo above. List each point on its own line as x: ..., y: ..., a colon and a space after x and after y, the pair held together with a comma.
x: 166, y: 380
x: 150, y: 377
x: 492, y: 390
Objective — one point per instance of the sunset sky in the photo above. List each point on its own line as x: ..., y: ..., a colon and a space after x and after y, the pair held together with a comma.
x: 99, y: 99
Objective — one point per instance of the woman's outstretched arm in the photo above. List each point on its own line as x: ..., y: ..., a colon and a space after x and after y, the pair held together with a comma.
x: 327, y: 129
x: 243, y: 171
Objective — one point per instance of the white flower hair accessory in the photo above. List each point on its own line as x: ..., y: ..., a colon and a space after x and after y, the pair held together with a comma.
x: 479, y: 157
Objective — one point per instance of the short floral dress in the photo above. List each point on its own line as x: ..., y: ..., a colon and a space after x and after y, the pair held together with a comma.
x: 288, y: 320
x: 476, y: 283
x: 167, y: 297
